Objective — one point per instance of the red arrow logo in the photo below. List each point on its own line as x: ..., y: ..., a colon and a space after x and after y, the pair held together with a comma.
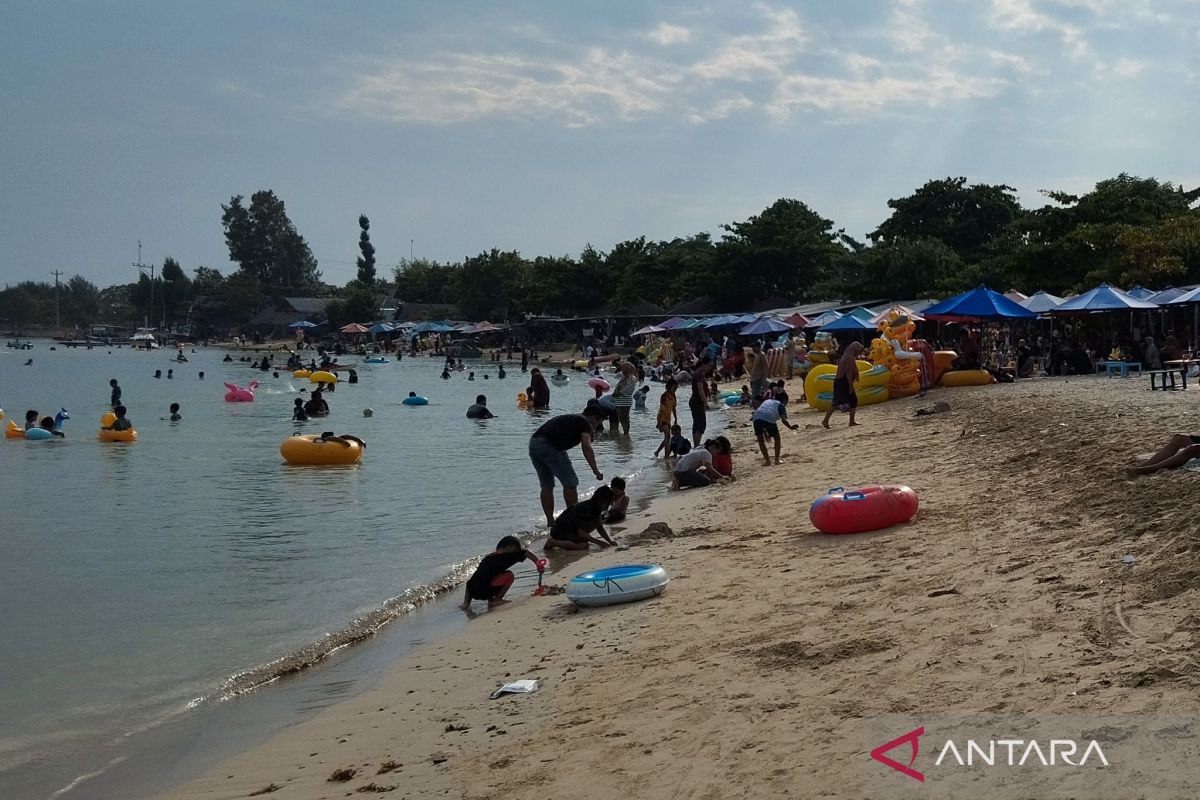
x: 911, y: 738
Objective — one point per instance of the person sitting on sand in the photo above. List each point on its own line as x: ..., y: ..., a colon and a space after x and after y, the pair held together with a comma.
x: 493, y: 577
x: 746, y: 398
x: 766, y: 419
x: 47, y: 424
x: 298, y: 412
x: 480, y: 409
x: 1179, y: 450
x: 316, y: 405
x: 620, y: 502
x: 679, y: 444
x: 120, y: 423
x: 844, y: 397
x: 696, y: 467
x: 572, y: 530
x: 723, y: 458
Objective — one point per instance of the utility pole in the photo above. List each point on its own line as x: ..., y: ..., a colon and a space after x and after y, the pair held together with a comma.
x: 141, y: 268
x: 57, y: 274
x: 410, y: 248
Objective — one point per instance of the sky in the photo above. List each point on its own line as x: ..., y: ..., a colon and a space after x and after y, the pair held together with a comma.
x: 543, y: 125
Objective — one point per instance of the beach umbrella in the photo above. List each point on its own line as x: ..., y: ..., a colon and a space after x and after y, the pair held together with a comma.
x: 303, y: 324
x: 978, y: 304
x: 648, y: 329
x: 765, y: 325
x: 672, y: 323
x: 1164, y: 297
x: 723, y: 319
x: 380, y: 327
x: 849, y: 323
x: 1040, y: 302
x: 796, y: 320
x: 824, y: 319
x: 1102, y: 298
x: 1141, y: 293
x: 1015, y: 296
x: 354, y: 327
x: 861, y: 313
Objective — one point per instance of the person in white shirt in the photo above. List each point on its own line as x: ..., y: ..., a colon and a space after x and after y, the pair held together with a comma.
x: 695, y: 468
x: 766, y: 419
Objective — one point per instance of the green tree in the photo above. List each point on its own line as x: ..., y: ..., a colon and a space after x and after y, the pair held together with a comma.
x: 964, y: 218
x: 357, y: 303
x: 908, y: 269
x: 782, y: 252
x: 266, y: 245
x: 366, y: 261
x: 176, y: 290
x: 207, y: 281
x: 81, y: 301
x: 424, y: 281
x: 242, y: 295
x: 491, y: 285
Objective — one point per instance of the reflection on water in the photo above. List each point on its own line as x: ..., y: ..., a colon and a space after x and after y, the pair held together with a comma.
x: 193, y: 562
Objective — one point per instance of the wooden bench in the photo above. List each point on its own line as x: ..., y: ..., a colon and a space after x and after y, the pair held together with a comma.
x: 1166, y: 379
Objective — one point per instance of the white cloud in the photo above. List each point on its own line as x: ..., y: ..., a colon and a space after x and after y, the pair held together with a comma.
x: 775, y: 69
x: 667, y: 34
x: 909, y: 31
x: 1129, y: 68
x: 1021, y: 15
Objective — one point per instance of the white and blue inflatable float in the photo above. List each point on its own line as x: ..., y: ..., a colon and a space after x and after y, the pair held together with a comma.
x: 613, y: 585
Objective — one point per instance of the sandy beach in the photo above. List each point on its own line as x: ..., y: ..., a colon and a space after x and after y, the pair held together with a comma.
x: 751, y: 674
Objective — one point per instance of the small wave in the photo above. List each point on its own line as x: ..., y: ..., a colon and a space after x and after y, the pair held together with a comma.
x: 363, y: 627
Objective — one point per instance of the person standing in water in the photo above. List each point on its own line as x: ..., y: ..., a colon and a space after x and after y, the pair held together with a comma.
x: 541, y: 389
x: 698, y: 402
x: 114, y: 399
x: 844, y: 397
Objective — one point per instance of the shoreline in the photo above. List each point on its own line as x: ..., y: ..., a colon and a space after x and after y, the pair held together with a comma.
x: 758, y: 666
x: 436, y: 603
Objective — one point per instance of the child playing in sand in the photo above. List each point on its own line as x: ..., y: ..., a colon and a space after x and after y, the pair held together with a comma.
x: 620, y: 502
x: 493, y: 577
x: 572, y: 530
x: 679, y: 446
x: 723, y: 458
x: 765, y: 420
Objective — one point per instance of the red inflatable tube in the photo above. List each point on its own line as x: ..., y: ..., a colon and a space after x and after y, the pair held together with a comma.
x: 867, y: 509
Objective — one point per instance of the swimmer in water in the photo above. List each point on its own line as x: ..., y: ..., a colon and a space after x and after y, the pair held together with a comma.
x: 170, y: 374
x: 298, y: 413
x: 445, y: 374
x: 31, y: 419
x: 174, y: 409
x: 157, y: 374
x: 48, y: 425
x: 201, y: 376
x: 344, y: 439
x: 316, y: 405
x: 121, y: 423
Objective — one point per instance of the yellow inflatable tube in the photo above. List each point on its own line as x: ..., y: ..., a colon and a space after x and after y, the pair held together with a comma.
x: 322, y: 377
x: 523, y: 401
x: 14, y: 431
x: 581, y: 364
x: 872, y: 386
x: 129, y: 435
x: 301, y: 373
x: 306, y: 450
x: 967, y: 377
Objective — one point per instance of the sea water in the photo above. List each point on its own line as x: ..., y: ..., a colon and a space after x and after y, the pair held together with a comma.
x: 141, y: 581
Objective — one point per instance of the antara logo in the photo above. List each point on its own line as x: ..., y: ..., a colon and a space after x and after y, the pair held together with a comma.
x: 990, y: 752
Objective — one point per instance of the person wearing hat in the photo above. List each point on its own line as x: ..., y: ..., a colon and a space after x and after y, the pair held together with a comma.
x: 548, y: 449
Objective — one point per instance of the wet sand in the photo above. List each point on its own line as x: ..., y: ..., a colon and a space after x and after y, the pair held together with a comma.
x: 751, y: 674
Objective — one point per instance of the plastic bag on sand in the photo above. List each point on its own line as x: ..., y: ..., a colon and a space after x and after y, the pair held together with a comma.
x: 516, y: 687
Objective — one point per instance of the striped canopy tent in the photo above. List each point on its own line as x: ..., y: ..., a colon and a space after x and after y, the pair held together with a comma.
x: 898, y: 309
x: 823, y: 319
x: 1041, y: 302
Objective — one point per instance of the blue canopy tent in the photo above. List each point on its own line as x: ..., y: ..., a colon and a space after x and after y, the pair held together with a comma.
x: 765, y: 325
x: 1102, y: 298
x: 380, y: 327
x: 1165, y: 296
x: 426, y: 327
x: 981, y: 303
x: 304, y: 324
x: 861, y: 313
x: 1141, y: 293
x: 672, y: 323
x: 724, y: 319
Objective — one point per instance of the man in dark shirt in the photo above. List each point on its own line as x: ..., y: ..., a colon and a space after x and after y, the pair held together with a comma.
x: 480, y: 409
x: 548, y: 451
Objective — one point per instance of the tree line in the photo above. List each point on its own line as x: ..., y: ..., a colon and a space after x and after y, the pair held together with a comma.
x: 947, y: 236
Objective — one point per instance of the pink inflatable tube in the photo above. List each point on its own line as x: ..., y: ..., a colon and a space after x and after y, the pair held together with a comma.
x: 867, y: 509
x: 236, y: 394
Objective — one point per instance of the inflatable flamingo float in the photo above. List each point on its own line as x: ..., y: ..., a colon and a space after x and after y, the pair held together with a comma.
x: 236, y: 394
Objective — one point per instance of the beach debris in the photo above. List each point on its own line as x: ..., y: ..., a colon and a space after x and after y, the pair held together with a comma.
x: 439, y: 757
x: 1128, y: 561
x: 374, y: 787
x: 270, y: 787
x: 341, y: 775
x: 388, y: 766
x: 524, y: 686
x: 943, y: 592
x: 452, y: 727
x: 940, y: 407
